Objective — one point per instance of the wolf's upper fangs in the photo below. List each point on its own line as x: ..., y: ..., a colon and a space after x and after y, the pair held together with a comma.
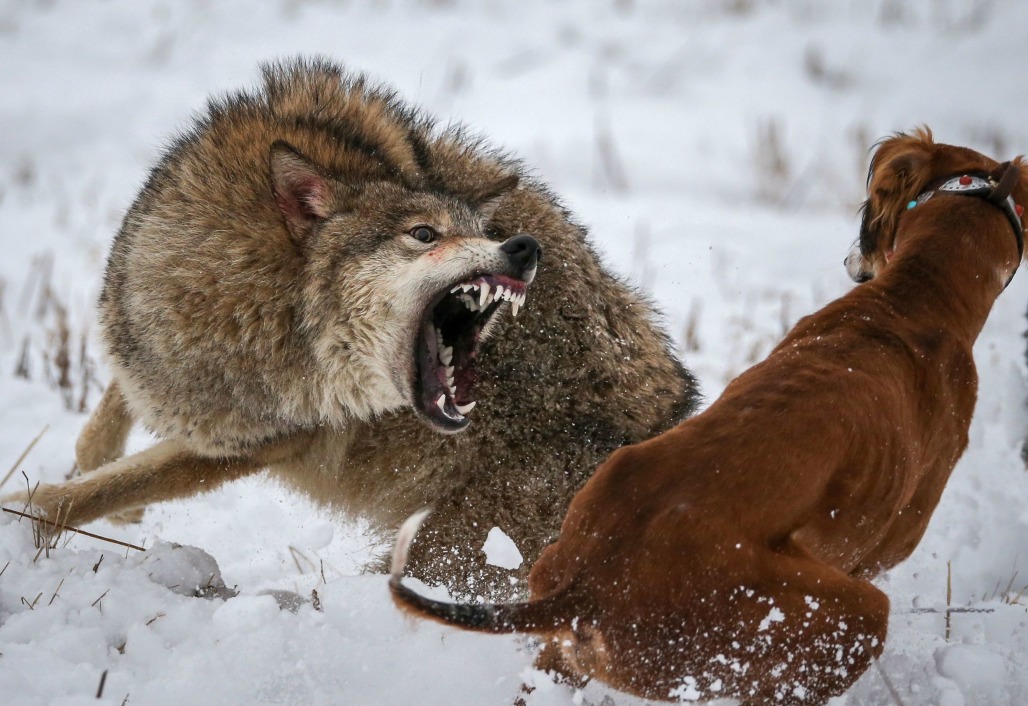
x: 485, y: 297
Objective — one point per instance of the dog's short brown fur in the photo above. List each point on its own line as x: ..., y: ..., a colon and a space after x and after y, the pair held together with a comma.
x: 260, y: 302
x: 730, y: 556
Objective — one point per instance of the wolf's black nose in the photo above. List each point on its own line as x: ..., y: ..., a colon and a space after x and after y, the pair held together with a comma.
x: 523, y: 250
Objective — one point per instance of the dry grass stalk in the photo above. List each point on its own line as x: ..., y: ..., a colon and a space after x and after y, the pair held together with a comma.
x: 155, y: 618
x: 97, y: 601
x: 691, y: 334
x: 888, y: 683
x: 32, y: 605
x: 297, y: 555
x: 40, y: 273
x: 24, y: 453
x: 57, y: 356
x: 22, y: 369
x: 96, y: 566
x: 956, y: 610
x: 949, y: 595
x: 87, y: 372
x: 316, y: 601
x: 1007, y: 596
x: 611, y: 167
x: 100, y: 689
x: 76, y: 530
x: 772, y: 164
x: 56, y: 592
x: 3, y: 313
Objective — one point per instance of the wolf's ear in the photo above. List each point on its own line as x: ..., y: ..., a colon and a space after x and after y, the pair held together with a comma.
x: 301, y: 189
x: 488, y: 200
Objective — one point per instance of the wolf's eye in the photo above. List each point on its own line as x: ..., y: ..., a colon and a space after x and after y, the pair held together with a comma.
x: 424, y: 233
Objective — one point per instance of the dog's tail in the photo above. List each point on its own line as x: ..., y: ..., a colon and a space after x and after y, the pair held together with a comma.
x: 536, y: 616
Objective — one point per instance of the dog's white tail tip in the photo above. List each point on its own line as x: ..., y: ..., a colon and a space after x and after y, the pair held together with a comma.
x: 404, y: 537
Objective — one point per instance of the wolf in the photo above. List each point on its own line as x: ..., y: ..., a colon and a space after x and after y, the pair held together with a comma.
x: 319, y: 281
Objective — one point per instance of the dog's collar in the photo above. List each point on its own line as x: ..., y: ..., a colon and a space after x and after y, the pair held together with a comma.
x: 994, y: 192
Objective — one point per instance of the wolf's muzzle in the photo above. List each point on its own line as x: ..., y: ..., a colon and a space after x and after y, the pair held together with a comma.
x: 523, y: 251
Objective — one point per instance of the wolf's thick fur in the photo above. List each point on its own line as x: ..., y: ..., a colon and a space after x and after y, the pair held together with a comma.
x: 259, y: 306
x: 729, y: 557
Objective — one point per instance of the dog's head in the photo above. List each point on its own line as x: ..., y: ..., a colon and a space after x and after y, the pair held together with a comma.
x: 904, y: 166
x: 401, y: 286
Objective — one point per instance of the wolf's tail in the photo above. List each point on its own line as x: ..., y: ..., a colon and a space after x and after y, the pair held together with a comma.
x: 538, y: 616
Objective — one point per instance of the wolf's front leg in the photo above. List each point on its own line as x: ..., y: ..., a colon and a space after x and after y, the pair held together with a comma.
x: 102, y: 439
x: 166, y: 471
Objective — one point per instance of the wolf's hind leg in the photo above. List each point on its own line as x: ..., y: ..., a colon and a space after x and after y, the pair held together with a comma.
x: 166, y: 471
x: 102, y: 439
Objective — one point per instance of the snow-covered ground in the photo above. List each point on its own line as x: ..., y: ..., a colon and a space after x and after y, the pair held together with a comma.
x: 717, y: 150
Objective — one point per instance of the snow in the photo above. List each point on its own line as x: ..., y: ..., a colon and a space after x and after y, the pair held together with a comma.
x: 501, y: 551
x: 775, y: 615
x: 717, y: 150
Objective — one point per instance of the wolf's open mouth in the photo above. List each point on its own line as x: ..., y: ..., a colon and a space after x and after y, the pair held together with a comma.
x: 447, y: 345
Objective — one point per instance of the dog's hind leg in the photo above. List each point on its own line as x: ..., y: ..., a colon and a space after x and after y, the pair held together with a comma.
x: 552, y: 661
x: 816, y: 629
x: 166, y: 471
x: 102, y: 439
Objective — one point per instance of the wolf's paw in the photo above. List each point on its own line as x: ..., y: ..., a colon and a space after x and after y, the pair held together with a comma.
x: 44, y: 501
x: 132, y: 516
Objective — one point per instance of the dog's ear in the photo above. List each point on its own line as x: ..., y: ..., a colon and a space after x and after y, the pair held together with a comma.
x: 488, y: 199
x: 302, y: 191
x: 900, y: 170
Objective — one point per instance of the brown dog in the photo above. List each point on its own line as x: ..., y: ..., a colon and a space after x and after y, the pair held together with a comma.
x: 730, y: 556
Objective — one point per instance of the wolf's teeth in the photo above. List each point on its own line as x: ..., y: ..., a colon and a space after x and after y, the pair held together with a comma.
x: 446, y: 355
x: 465, y: 408
x: 453, y: 390
x: 454, y: 289
x: 483, y: 298
x: 465, y: 287
x: 441, y: 402
x: 498, y: 295
x: 514, y: 306
x: 508, y: 295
